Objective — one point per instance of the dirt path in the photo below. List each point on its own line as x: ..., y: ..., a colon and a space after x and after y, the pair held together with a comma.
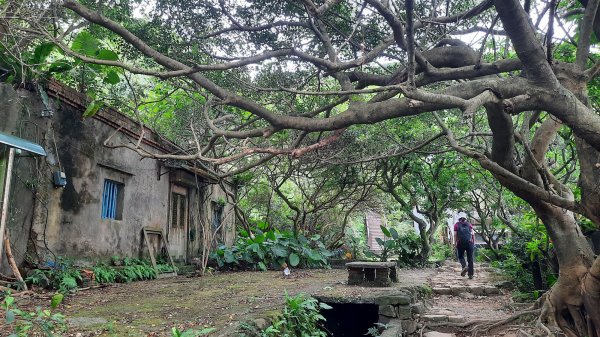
x: 460, y: 299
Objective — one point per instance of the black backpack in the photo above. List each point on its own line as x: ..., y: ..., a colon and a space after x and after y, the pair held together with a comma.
x: 464, y: 232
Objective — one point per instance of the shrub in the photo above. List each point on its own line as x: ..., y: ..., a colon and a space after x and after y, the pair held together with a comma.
x: 300, y: 317
x: 272, y: 249
x: 41, y: 322
x: 441, y: 252
x: 405, y: 247
x: 66, y: 277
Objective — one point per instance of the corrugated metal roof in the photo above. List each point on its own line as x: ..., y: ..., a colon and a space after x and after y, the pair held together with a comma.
x: 22, y: 144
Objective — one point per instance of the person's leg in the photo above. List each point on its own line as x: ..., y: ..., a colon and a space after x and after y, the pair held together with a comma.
x: 461, y: 257
x: 460, y: 251
x: 470, y: 251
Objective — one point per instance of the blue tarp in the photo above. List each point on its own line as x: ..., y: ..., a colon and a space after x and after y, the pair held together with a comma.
x: 22, y: 144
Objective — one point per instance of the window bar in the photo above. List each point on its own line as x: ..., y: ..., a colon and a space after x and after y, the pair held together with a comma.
x: 105, y: 201
x: 113, y: 200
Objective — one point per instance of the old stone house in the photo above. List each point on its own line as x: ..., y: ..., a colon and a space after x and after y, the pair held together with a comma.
x: 84, y: 201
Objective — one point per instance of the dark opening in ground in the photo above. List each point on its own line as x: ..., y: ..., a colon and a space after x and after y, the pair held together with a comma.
x: 350, y: 319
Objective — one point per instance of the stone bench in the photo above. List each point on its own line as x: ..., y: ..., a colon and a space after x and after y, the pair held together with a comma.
x: 378, y: 274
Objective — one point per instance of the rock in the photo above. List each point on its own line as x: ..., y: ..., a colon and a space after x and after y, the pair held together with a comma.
x: 418, y: 308
x: 445, y: 312
x: 399, y: 299
x: 404, y: 312
x: 476, y: 290
x: 490, y: 290
x: 457, y: 290
x: 393, y: 329
x: 83, y: 322
x: 503, y: 284
x: 466, y: 295
x: 261, y: 323
x: 442, y: 291
x: 456, y: 319
x: 409, y: 326
x: 387, y: 310
x: 438, y: 334
x: 435, y: 318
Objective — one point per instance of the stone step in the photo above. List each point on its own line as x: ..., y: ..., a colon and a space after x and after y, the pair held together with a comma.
x: 438, y: 334
x: 456, y: 290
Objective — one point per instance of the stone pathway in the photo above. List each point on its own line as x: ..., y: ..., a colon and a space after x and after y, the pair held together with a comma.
x: 459, y: 299
x: 449, y: 282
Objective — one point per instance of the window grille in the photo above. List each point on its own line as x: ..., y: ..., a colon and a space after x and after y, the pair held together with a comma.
x: 112, y: 200
x: 178, y: 210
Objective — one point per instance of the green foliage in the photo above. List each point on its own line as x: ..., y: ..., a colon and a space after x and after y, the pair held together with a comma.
x: 63, y: 278
x: 271, y: 249
x: 527, y: 250
x: 66, y: 277
x: 405, y: 247
x: 440, y: 252
x: 175, y: 332
x: 104, y: 274
x: 375, y: 331
x: 301, y: 317
x: 513, y: 268
x: 39, y: 322
x: 135, y: 272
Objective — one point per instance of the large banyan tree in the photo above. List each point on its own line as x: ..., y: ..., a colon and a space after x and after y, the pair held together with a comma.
x: 503, y: 82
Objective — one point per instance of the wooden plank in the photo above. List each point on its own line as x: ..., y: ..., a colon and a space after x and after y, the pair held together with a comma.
x: 158, y: 231
x: 150, y: 250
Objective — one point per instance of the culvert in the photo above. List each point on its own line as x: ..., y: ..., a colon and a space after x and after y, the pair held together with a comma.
x: 350, y: 319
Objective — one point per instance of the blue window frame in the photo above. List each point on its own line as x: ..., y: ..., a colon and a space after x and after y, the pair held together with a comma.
x: 112, y: 200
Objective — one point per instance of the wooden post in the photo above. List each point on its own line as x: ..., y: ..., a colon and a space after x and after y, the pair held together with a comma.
x: 5, y: 197
x: 11, y: 260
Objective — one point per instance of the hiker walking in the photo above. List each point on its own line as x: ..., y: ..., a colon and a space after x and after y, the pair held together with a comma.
x: 465, y: 242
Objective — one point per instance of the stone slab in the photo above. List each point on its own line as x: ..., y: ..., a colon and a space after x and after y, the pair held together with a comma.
x: 477, y: 290
x: 456, y: 319
x: 438, y: 334
x: 435, y: 318
x: 359, y: 264
x: 418, y: 308
x: 442, y: 291
x: 457, y: 290
x: 404, y: 312
x: 387, y: 310
x: 490, y: 290
x: 394, y: 299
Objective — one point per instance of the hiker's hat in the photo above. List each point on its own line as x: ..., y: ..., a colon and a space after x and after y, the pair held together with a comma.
x: 462, y: 215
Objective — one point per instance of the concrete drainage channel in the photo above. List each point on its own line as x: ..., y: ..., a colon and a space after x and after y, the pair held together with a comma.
x: 397, y: 312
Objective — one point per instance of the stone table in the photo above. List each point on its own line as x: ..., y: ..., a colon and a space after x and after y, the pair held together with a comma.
x: 378, y: 274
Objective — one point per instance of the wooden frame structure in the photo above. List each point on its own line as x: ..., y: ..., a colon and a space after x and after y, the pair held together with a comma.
x: 147, y: 231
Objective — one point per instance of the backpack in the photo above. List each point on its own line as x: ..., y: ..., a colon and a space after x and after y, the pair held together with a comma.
x: 463, y: 233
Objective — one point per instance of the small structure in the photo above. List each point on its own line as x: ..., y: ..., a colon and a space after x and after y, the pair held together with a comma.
x: 377, y: 274
x: 87, y: 202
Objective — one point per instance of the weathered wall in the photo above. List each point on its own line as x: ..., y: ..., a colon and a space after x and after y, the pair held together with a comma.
x: 68, y: 220
x: 75, y: 226
x: 16, y: 108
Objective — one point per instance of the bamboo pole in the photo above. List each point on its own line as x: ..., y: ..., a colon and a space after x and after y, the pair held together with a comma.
x: 11, y: 260
x: 5, y: 197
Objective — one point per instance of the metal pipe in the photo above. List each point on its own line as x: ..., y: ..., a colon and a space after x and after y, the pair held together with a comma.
x: 5, y: 197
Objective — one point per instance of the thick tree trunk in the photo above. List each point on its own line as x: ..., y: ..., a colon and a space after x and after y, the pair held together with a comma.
x: 573, y: 302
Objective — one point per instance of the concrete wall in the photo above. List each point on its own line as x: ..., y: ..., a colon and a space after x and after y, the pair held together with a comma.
x: 67, y: 221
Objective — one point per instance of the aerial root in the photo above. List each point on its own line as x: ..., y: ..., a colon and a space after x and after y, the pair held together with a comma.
x: 482, y: 326
x: 544, y: 328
